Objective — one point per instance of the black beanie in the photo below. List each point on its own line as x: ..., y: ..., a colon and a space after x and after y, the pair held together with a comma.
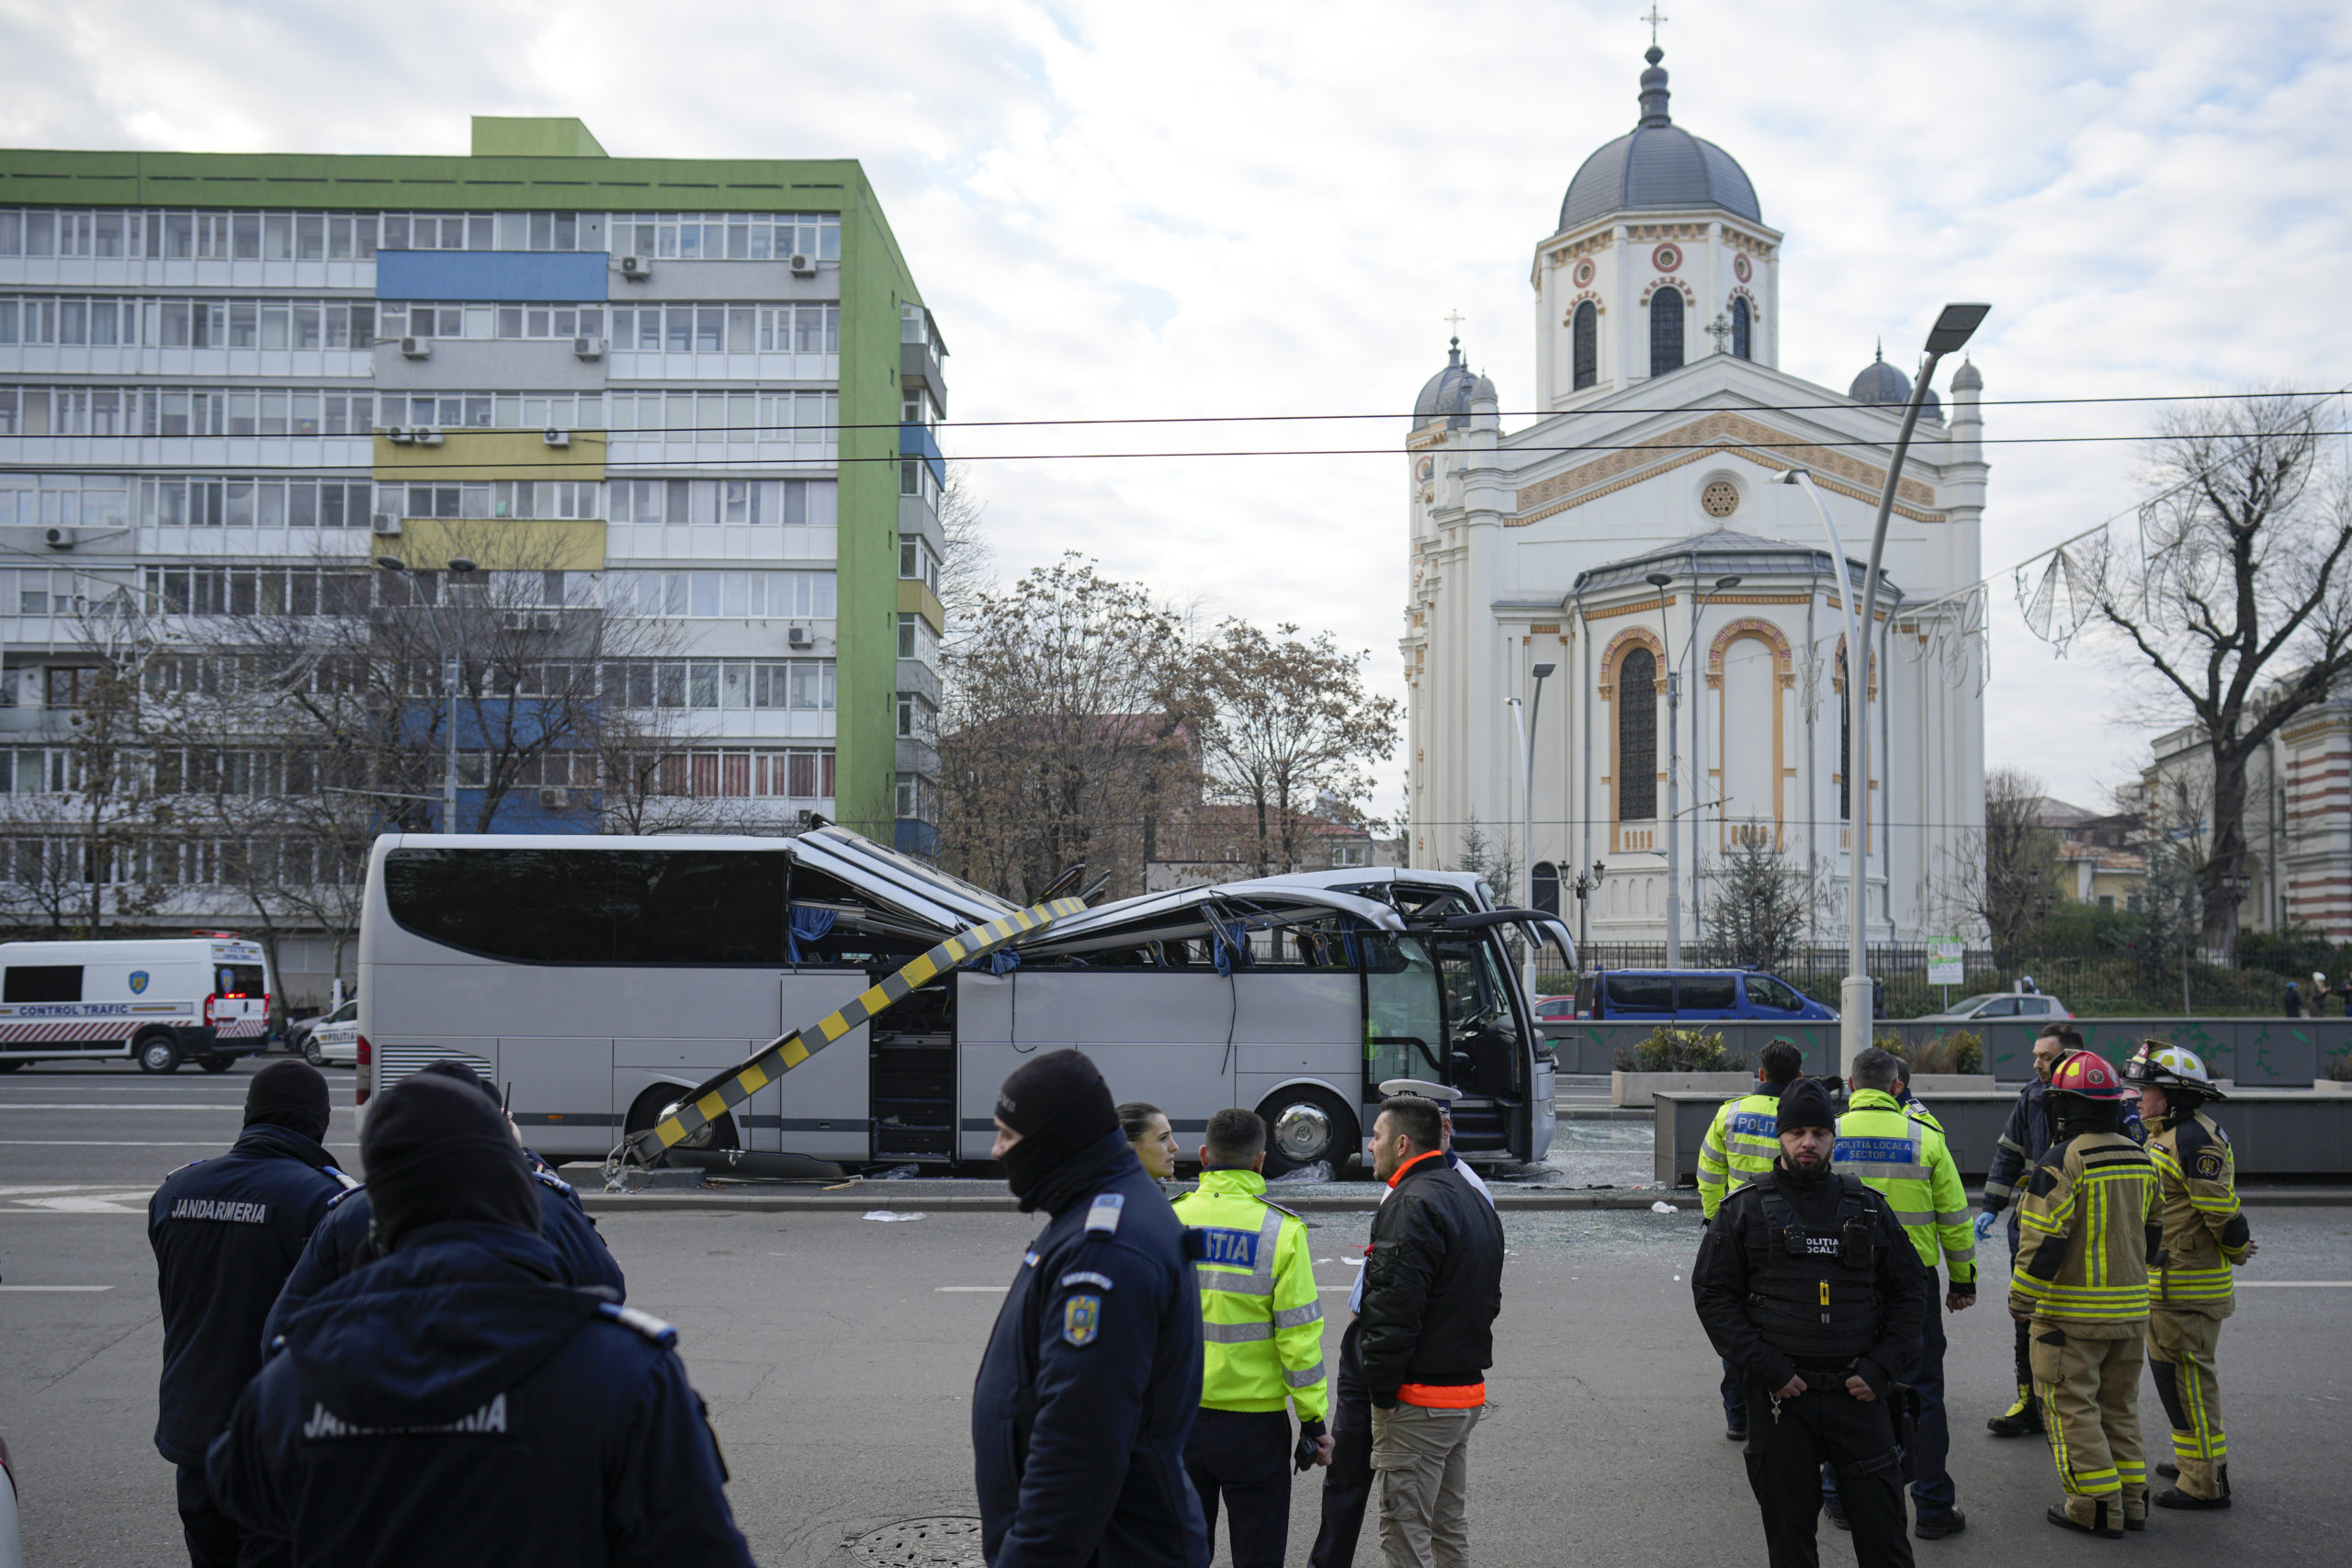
x: 467, y: 1075
x: 1060, y: 1106
x: 1806, y: 1103
x: 436, y: 1150
x: 292, y: 1095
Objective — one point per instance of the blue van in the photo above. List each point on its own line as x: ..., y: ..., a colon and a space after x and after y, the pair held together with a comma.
x: 1700, y: 995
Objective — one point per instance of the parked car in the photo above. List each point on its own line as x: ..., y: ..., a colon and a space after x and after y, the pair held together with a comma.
x: 1557, y: 1010
x: 1695, y: 994
x: 333, y: 1041
x: 2000, y: 1004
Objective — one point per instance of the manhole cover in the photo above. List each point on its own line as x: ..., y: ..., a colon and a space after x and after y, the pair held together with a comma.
x: 950, y: 1541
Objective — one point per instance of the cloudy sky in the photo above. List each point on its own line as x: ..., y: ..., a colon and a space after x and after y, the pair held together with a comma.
x: 1217, y: 208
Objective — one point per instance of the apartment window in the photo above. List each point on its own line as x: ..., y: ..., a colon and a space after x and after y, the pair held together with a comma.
x: 908, y: 795
x: 720, y: 236
x: 728, y: 595
x: 790, y: 504
x: 918, y: 562
x: 918, y: 720
x: 906, y: 636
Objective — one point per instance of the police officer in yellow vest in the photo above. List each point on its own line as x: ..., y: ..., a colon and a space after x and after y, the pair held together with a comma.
x: 1904, y: 1158
x: 2205, y: 1237
x: 1741, y: 1145
x: 1262, y: 1328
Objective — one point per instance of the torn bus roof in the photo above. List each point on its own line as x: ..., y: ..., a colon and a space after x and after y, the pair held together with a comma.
x: 1187, y: 913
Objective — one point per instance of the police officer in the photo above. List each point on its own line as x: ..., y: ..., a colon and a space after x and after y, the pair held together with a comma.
x: 452, y: 1402
x: 1092, y: 1374
x: 2205, y: 1235
x: 2080, y: 1284
x: 340, y: 1242
x: 1807, y: 1283
x: 1262, y: 1324
x: 1740, y: 1146
x: 1902, y: 1157
x: 225, y: 1233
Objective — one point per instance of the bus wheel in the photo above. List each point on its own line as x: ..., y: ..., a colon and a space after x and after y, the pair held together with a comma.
x: 159, y: 1054
x: 214, y: 1064
x: 656, y: 1103
x: 11, y: 1064
x: 1304, y: 1125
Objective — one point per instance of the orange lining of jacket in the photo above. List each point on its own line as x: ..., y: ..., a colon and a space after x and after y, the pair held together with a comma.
x: 1431, y: 1395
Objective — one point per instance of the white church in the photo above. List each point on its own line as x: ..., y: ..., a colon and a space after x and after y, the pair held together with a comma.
x: 1666, y: 431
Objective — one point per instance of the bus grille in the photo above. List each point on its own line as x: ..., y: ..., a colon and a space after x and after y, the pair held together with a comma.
x: 394, y: 1062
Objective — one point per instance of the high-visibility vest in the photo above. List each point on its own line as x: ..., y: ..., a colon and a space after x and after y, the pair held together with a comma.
x: 1260, y: 1317
x: 1905, y: 1159
x: 1742, y: 1143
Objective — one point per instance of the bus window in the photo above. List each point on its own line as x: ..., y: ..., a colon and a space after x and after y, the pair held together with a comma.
x: 593, y: 906
x: 1404, y: 1020
x: 1481, y: 1028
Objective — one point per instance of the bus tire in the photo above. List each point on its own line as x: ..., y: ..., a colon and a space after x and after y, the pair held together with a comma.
x: 158, y: 1052
x: 1305, y: 1124
x: 12, y: 1063
x: 651, y: 1105
x: 215, y: 1064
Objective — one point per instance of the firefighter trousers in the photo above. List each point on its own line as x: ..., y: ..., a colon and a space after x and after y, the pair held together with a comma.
x: 2091, y: 1408
x: 2180, y: 1354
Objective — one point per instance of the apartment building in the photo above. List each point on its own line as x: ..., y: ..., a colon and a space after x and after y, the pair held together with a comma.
x: 673, y: 419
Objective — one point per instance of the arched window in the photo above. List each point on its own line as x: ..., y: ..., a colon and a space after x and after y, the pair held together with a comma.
x: 1547, y: 887
x: 1638, y: 737
x: 1588, y: 346
x: 1665, y: 331
x: 1740, y: 325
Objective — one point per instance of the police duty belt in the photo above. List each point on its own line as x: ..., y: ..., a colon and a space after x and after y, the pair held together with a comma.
x: 713, y: 1098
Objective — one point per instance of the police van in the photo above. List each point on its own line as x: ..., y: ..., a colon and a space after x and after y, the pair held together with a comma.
x: 160, y: 1002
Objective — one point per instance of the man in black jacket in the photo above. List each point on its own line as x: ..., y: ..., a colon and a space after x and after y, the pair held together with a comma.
x: 1433, y: 1285
x: 1807, y: 1283
x: 1093, y: 1373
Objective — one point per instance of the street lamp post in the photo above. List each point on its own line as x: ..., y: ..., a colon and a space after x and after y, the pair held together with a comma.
x: 1724, y: 584
x: 450, y: 679
x: 1527, y: 721
x: 1661, y: 580
x: 1954, y: 326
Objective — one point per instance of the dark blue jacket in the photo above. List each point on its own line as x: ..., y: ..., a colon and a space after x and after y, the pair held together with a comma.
x: 1091, y: 1378
x: 2025, y: 1138
x: 453, y: 1404
x: 335, y: 1250
x: 226, y: 1232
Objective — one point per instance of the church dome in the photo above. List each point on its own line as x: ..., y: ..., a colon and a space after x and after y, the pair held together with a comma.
x: 1658, y: 166
x: 1448, y: 394
x: 1883, y: 383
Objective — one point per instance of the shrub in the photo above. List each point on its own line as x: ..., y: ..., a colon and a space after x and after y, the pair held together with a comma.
x: 2340, y: 1068
x: 1672, y: 1050
x: 1962, y: 1051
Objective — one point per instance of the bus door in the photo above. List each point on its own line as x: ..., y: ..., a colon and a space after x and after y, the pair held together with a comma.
x: 822, y: 1107
x: 1404, y: 1014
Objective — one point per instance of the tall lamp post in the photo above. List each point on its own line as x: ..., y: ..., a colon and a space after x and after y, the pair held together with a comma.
x: 1698, y: 598
x: 449, y: 682
x: 1954, y: 328
x: 1527, y: 720
x: 1662, y: 580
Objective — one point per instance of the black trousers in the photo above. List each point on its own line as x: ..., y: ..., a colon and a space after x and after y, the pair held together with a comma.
x: 216, y: 1540
x: 1244, y: 1457
x: 1347, y: 1484
x: 1785, y: 1453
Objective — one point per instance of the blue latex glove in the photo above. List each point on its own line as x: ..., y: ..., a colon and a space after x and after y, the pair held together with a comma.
x: 1985, y: 1224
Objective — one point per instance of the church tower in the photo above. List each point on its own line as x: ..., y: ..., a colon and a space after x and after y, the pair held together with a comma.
x: 1661, y: 252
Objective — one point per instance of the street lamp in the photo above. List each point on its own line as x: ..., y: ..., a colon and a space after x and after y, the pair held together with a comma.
x: 1724, y: 584
x: 1661, y: 580
x: 458, y: 565
x: 1954, y: 328
x: 1527, y: 719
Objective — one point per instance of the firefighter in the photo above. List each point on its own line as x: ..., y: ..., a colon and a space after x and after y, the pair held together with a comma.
x: 1741, y: 1145
x: 2024, y: 1139
x: 2089, y: 1224
x: 1905, y: 1159
x: 2205, y: 1237
x: 1263, y: 1325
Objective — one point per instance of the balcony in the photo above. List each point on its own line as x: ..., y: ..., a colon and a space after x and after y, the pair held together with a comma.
x: 919, y: 367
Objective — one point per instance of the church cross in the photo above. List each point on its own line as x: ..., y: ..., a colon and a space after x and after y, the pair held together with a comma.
x: 1720, y: 330
x: 1653, y: 19
x: 1455, y: 321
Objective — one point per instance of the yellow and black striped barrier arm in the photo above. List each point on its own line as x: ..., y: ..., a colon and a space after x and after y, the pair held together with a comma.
x: 707, y: 1101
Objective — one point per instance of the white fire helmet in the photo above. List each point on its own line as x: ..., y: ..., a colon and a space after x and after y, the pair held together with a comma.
x: 2167, y: 1065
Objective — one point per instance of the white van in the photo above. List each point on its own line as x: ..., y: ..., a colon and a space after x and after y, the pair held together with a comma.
x: 161, y: 1002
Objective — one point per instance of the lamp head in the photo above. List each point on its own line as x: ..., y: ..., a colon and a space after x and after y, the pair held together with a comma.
x: 1955, y: 326
x: 461, y: 565
x: 392, y: 563
x: 1796, y: 476
x: 1660, y: 578
x: 1543, y: 671
x: 1725, y: 584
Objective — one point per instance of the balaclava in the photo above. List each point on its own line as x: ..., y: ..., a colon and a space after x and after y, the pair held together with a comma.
x: 436, y: 1150
x: 1060, y: 1106
x: 292, y: 1095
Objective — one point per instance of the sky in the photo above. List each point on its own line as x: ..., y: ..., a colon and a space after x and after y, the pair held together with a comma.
x: 1124, y: 212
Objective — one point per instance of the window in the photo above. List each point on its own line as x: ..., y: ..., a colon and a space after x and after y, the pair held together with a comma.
x: 43, y: 983
x: 918, y: 562
x: 1587, y: 345
x: 1741, y: 329
x: 1547, y: 887
x: 727, y: 236
x: 906, y: 636
x: 1637, y: 736
x: 703, y: 907
x: 1766, y: 992
x: 1666, y: 331
x: 1707, y: 993
x: 1638, y: 993
x: 68, y: 685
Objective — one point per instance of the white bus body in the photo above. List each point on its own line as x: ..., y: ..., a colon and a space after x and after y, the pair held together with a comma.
x: 600, y: 976
x: 161, y: 1001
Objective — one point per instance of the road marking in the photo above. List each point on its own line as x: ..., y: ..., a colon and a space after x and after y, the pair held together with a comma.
x: 969, y: 1290
x: 2294, y: 1284
x: 212, y: 1105
x: 55, y: 1289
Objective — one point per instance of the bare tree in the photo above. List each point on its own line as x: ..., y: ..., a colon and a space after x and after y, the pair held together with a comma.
x: 1066, y: 730
x: 2238, y: 602
x: 967, y: 571
x: 2003, y: 878
x: 1292, y: 731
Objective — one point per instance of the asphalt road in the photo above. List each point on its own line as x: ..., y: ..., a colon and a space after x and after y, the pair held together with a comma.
x: 838, y: 1354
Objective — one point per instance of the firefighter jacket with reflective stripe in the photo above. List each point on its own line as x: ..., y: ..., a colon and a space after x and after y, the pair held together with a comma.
x: 1905, y: 1159
x: 1261, y: 1321
x: 2089, y: 1224
x: 1741, y: 1145
x: 2205, y: 1235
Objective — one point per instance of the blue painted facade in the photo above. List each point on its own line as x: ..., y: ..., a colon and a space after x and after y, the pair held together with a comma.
x: 920, y: 441
x: 554, y: 276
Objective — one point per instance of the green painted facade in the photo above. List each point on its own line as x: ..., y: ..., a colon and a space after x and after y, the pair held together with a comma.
x: 547, y: 164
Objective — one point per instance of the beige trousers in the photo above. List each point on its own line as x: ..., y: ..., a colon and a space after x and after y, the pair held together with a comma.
x: 2090, y: 1409
x: 1422, y: 1458
x: 2180, y: 1352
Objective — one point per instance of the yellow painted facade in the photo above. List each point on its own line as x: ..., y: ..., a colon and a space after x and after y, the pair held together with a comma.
x: 915, y: 598
x: 491, y: 455
x: 498, y: 545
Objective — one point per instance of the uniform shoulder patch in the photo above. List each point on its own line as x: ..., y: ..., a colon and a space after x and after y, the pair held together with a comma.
x: 1102, y: 1214
x: 1278, y: 1209
x: 2212, y: 1165
x: 644, y: 1324
x: 550, y: 1178
x: 338, y: 1198
x: 1087, y: 1277
x: 1081, y: 1320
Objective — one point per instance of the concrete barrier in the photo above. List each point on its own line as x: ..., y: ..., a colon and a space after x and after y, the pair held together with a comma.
x: 2274, y: 1133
